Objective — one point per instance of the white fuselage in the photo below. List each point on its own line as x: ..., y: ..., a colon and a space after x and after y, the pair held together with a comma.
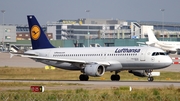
x: 115, y: 58
x: 168, y: 46
x: 165, y: 45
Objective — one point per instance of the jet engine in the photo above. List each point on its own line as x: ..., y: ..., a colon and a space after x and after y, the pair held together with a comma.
x: 95, y: 70
x: 140, y: 73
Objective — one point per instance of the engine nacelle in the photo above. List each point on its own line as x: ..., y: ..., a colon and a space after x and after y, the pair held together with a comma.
x: 95, y: 70
x: 140, y: 73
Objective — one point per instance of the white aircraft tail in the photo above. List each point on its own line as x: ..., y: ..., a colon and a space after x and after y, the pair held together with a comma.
x: 151, y: 37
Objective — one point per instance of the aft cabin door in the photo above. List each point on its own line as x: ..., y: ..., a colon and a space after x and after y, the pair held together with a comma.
x: 143, y: 54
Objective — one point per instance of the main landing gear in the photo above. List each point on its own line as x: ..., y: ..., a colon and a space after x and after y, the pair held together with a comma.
x: 115, y: 77
x: 83, y: 77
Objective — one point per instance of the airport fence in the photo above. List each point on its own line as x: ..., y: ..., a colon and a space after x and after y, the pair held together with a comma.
x: 176, y: 60
x: 56, y: 96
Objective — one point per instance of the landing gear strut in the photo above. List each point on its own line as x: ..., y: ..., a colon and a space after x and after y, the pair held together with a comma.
x: 150, y: 79
x: 115, y: 77
x: 83, y: 77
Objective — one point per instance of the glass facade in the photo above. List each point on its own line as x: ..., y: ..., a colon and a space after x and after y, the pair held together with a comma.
x: 85, y: 32
x: 73, y: 29
x: 83, y: 27
x: 166, y: 27
x: 170, y: 26
x: 58, y: 27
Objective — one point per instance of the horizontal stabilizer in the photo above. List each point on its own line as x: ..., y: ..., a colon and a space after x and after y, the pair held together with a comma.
x: 141, y: 42
x: 20, y: 54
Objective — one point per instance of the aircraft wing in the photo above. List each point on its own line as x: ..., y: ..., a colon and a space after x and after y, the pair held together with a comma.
x: 63, y: 60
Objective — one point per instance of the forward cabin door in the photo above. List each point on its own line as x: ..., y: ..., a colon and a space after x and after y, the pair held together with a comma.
x: 143, y: 54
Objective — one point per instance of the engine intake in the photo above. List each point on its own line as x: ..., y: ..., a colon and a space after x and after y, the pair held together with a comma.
x: 95, y: 70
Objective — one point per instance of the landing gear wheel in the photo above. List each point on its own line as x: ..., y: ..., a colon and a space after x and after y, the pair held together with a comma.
x: 150, y: 79
x: 115, y: 77
x: 83, y: 77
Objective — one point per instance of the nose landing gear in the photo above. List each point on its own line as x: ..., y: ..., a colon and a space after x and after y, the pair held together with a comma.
x: 150, y: 78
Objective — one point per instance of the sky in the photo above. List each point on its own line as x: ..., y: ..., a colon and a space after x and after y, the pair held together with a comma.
x: 45, y: 11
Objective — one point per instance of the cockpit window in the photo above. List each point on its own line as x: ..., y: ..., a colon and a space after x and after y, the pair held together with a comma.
x: 158, y: 53
x: 161, y: 53
x: 154, y: 53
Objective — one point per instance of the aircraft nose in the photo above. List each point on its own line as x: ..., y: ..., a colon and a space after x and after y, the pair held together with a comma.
x: 169, y: 61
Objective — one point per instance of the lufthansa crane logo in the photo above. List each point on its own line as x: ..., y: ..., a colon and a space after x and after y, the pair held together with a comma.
x: 35, y: 32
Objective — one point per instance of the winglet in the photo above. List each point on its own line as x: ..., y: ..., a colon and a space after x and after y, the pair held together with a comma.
x: 11, y: 55
x: 38, y: 37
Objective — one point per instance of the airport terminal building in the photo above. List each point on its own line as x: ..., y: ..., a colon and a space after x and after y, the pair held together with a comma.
x: 92, y: 29
x: 109, y: 28
x: 107, y: 32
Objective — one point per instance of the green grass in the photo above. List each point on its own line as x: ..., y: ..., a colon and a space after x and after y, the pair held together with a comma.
x: 113, y: 94
x: 169, y: 93
x: 59, y: 74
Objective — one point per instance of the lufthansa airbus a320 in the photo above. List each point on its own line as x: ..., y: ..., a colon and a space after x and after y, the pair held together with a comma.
x: 95, y: 61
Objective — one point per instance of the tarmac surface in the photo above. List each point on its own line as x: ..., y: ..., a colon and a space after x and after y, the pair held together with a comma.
x: 16, y: 61
x: 73, y: 84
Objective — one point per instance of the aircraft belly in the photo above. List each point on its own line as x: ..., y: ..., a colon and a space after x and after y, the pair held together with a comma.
x: 160, y: 65
x: 68, y: 66
x: 142, y: 66
x: 115, y: 65
x: 63, y: 65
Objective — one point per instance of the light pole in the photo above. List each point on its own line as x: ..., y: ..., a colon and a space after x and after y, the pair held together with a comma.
x: 162, y: 10
x: 87, y: 11
x: 3, y: 11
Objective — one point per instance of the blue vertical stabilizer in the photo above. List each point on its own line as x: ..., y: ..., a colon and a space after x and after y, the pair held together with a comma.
x: 38, y: 37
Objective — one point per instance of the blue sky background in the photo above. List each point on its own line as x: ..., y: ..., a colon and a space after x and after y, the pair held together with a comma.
x: 53, y: 10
